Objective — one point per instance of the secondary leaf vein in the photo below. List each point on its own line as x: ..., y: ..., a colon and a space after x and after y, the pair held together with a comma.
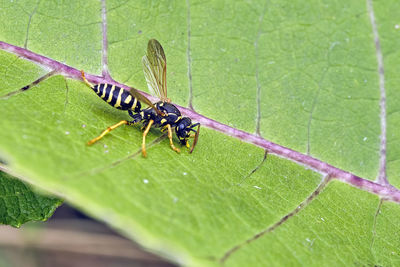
x: 382, y: 179
x: 105, y: 72
x: 271, y: 228
x: 189, y: 57
x: 384, y: 190
x: 258, y: 118
x: 29, y: 24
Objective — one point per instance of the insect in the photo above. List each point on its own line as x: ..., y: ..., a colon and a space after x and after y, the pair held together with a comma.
x: 162, y: 114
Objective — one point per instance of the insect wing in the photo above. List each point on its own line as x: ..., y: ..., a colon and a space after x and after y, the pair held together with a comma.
x: 135, y: 93
x: 155, y: 69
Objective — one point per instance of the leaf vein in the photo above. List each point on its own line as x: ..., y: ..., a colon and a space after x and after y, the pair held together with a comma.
x: 384, y: 190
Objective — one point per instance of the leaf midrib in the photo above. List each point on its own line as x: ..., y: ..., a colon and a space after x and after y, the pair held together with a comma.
x: 386, y: 191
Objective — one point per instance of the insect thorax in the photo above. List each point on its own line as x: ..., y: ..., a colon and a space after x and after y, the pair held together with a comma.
x: 171, y: 114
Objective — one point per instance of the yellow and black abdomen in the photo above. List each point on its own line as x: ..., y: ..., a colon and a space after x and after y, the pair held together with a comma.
x: 117, y: 97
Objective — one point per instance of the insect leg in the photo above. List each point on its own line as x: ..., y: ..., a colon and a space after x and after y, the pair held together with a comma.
x: 164, y: 129
x: 136, y: 117
x: 191, y: 128
x: 170, y: 139
x: 106, y: 131
x: 84, y: 79
x: 144, y: 153
x: 195, y: 136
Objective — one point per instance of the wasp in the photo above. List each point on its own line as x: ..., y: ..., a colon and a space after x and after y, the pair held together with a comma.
x: 162, y: 114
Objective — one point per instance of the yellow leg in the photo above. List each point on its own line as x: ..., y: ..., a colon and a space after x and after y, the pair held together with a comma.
x: 164, y: 129
x: 144, y: 153
x: 187, y: 142
x: 84, y: 79
x: 109, y: 129
x: 170, y: 139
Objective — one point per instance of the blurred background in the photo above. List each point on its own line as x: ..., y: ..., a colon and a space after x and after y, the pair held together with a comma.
x: 69, y: 238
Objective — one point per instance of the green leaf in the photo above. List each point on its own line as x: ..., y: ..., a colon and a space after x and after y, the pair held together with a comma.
x: 19, y: 204
x: 305, y: 72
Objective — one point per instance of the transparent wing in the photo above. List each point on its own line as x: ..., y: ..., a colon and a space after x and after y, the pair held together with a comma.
x: 135, y: 93
x: 155, y: 70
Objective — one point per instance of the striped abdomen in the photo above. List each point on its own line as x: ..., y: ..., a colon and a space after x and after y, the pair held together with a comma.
x: 117, y: 97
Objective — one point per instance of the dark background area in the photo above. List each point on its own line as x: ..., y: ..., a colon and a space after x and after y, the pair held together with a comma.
x: 69, y: 238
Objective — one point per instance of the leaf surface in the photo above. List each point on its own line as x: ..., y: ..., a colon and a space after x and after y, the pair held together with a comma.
x: 19, y: 204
